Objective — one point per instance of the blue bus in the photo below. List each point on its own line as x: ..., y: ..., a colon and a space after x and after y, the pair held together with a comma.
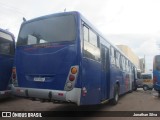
x: 62, y: 58
x: 156, y: 73
x: 7, y: 47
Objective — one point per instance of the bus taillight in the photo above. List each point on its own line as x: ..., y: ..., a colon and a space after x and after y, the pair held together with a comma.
x: 74, y: 70
x: 72, y: 77
x: 14, y: 73
x: 154, y: 79
x: 14, y: 76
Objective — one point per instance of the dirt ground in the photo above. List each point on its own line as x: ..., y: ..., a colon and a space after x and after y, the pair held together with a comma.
x: 136, y: 101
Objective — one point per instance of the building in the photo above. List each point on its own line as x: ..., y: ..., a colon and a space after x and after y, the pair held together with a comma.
x: 130, y: 54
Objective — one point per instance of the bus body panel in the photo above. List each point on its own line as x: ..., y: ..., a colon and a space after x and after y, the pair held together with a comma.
x: 123, y: 78
x: 52, y: 64
x: 156, y: 86
x: 6, y: 62
x: 113, y: 79
x: 7, y: 48
x: 156, y: 73
x: 90, y: 83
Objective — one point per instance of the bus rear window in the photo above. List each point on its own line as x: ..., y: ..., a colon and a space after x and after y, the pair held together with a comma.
x: 51, y: 29
x: 6, y: 44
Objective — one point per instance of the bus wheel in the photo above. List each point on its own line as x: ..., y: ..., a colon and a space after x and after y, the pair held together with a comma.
x: 145, y: 88
x: 116, y: 95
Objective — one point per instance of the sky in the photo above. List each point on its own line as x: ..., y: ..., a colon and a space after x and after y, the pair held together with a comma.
x: 135, y: 23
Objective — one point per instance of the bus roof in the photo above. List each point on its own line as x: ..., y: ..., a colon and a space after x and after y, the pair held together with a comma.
x: 157, y: 55
x: 47, y: 16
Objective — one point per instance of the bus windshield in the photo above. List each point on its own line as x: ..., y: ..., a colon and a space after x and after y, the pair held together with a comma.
x: 158, y: 59
x: 157, y: 62
x: 6, y: 44
x: 50, y: 29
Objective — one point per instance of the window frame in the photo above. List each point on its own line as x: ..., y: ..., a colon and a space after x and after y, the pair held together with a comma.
x: 97, y: 56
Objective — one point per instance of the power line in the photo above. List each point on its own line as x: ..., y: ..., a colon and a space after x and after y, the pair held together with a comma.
x: 12, y: 8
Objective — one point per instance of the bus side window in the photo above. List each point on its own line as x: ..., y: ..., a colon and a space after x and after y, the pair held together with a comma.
x: 98, y: 42
x: 122, y: 59
x: 6, y: 44
x: 86, y: 33
x: 126, y: 64
x: 129, y: 66
x: 92, y: 38
x: 112, y: 56
x: 5, y: 48
x: 120, y: 62
x: 118, y: 59
x: 90, y: 44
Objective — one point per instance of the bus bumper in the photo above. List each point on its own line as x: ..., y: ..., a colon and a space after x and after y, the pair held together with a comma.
x: 5, y: 93
x: 72, y: 96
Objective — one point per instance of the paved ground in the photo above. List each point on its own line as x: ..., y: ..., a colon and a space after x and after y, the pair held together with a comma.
x: 136, y: 101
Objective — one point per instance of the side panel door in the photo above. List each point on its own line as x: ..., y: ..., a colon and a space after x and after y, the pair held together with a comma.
x: 105, y: 73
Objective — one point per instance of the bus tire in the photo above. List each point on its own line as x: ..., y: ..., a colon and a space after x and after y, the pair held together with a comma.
x: 115, y: 95
x: 158, y: 94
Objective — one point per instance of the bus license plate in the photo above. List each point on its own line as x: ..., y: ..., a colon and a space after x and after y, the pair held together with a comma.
x: 40, y: 79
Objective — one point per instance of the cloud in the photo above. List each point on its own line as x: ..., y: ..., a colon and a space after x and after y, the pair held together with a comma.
x: 141, y: 45
x: 149, y: 47
x: 109, y: 16
x: 131, y: 22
